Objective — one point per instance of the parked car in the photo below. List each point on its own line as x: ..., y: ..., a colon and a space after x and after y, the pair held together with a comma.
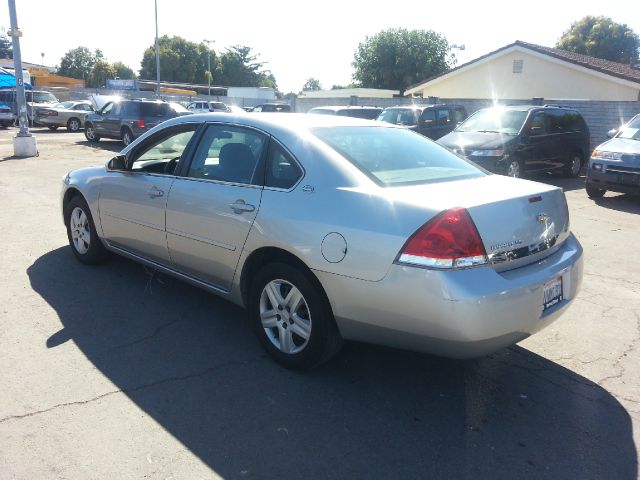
x: 433, y: 121
x: 65, y: 114
x: 370, y: 113
x: 7, y: 117
x: 615, y: 164
x: 128, y: 119
x: 205, y: 107
x: 332, y: 228
x: 270, y: 107
x: 35, y: 99
x: 517, y: 140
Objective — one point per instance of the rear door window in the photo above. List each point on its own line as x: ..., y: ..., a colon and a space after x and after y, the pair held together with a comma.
x: 428, y: 117
x: 444, y: 117
x: 154, y: 109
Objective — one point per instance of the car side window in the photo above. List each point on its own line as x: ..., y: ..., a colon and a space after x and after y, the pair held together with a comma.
x: 538, y: 124
x: 282, y: 171
x: 163, y: 152
x: 428, y: 117
x: 229, y: 154
x: 555, y: 122
x: 443, y: 116
x: 459, y: 115
x: 117, y: 108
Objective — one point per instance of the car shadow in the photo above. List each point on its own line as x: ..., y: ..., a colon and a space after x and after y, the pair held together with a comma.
x: 620, y: 202
x: 567, y: 184
x: 110, y: 145
x: 190, y: 361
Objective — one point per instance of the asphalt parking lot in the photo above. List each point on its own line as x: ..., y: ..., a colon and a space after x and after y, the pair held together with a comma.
x: 115, y: 372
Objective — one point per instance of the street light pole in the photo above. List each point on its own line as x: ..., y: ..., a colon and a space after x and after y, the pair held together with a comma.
x: 209, y: 62
x: 24, y: 144
x: 157, y: 55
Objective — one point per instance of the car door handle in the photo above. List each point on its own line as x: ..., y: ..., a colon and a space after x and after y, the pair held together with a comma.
x: 155, y: 192
x: 240, y: 206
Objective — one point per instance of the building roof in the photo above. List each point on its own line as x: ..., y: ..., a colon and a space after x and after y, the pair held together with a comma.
x: 615, y: 69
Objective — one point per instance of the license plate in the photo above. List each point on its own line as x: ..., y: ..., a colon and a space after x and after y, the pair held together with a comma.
x: 552, y: 293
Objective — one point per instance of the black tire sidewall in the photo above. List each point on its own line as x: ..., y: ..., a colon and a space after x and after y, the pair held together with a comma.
x: 126, y: 132
x: 322, y: 322
x: 88, y: 127
x: 594, y: 192
x: 96, y: 252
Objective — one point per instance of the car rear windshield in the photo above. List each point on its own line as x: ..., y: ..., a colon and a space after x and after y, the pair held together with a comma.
x: 393, y: 156
x: 42, y: 97
x: 154, y: 109
x: 494, y: 120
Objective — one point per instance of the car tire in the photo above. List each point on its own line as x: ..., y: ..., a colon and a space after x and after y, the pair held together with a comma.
x: 300, y: 332
x: 514, y: 168
x: 127, y: 136
x: 90, y: 133
x: 53, y: 128
x: 593, y: 191
x: 81, y: 232
x: 572, y: 169
x: 73, y: 125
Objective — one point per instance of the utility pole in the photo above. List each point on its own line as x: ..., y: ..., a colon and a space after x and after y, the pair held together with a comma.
x: 24, y: 144
x: 208, y: 42
x: 157, y: 55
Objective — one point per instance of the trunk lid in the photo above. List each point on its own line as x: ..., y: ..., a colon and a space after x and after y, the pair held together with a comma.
x: 519, y: 221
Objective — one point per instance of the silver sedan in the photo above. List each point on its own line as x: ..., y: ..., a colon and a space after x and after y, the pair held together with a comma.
x: 66, y: 114
x: 330, y: 228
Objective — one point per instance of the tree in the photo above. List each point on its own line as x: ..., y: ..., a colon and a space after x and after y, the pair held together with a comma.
x: 312, y: 84
x: 241, y: 68
x: 601, y: 37
x: 78, y: 62
x: 123, y: 72
x: 180, y: 61
x: 6, y: 46
x: 101, y: 71
x: 397, y: 57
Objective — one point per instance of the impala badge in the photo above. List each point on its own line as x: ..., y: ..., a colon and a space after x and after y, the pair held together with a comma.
x: 542, y: 217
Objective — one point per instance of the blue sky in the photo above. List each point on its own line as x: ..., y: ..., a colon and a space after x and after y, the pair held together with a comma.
x: 297, y: 39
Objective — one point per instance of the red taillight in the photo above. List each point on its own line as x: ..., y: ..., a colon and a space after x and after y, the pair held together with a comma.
x: 449, y: 240
x: 140, y: 123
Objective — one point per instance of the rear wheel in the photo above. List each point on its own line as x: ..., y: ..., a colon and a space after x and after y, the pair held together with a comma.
x: 127, y: 136
x: 514, y: 168
x: 574, y: 166
x: 594, y: 192
x: 292, y: 317
x: 90, y: 133
x: 73, y: 125
x: 81, y: 232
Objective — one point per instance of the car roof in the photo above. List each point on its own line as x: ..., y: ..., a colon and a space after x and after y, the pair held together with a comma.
x: 345, y: 107
x: 294, y: 122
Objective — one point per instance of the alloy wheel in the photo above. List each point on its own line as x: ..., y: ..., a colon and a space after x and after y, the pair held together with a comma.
x: 285, y: 316
x: 90, y: 132
x: 74, y: 125
x: 576, y: 164
x: 514, y: 169
x: 80, y: 230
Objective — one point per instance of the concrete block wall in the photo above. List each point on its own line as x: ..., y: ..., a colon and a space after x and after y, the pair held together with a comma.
x: 601, y: 116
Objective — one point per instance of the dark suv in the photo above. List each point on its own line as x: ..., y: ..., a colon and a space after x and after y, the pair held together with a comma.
x: 432, y: 121
x: 128, y: 119
x: 516, y: 140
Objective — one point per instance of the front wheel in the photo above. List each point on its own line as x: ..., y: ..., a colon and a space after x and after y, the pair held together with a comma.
x: 292, y: 317
x: 90, y: 133
x: 594, y: 192
x: 81, y: 232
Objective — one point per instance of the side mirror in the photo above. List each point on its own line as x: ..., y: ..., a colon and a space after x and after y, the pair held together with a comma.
x: 117, y: 163
x: 612, y: 133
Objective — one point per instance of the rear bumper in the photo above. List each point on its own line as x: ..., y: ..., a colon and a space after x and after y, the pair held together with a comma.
x: 462, y: 313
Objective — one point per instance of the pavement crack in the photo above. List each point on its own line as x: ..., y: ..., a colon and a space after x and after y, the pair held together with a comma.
x: 617, y: 364
x: 127, y: 391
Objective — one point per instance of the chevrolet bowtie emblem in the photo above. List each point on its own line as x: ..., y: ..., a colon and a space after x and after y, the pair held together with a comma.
x: 542, y: 217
